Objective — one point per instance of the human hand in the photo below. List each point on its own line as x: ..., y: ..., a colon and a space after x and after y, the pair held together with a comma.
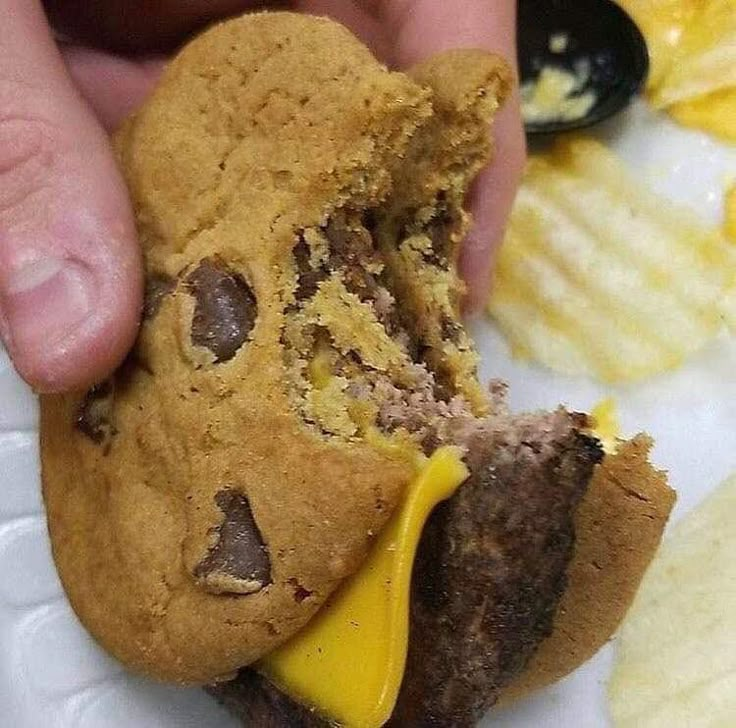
x: 70, y: 268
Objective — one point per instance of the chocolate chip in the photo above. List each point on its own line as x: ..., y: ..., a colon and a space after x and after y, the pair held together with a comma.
x: 451, y: 330
x: 94, y: 414
x: 239, y: 562
x: 158, y: 286
x: 225, y: 310
x: 308, y: 277
x: 352, y: 253
x: 439, y: 230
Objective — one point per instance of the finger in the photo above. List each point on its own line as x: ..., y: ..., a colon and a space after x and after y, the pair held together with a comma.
x: 361, y: 19
x: 422, y: 27
x: 491, y: 200
x: 112, y: 85
x: 139, y: 25
x: 70, y: 275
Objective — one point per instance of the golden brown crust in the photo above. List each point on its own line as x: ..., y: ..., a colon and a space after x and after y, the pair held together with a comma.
x: 618, y: 526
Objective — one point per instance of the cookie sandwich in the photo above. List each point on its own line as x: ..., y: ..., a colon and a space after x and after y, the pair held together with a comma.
x: 302, y: 380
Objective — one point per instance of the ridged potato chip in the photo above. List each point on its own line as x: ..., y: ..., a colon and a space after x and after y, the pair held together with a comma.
x: 705, y: 57
x: 599, y: 276
x: 662, y: 22
x: 692, y: 49
x: 676, y: 652
x: 729, y: 222
x: 715, y: 113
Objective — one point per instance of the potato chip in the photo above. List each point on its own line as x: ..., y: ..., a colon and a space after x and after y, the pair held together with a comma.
x: 692, y: 48
x: 676, y: 655
x: 729, y: 217
x: 715, y: 113
x: 662, y: 22
x: 599, y: 276
x: 705, y: 56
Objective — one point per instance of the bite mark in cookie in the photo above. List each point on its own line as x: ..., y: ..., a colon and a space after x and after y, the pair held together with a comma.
x: 351, y: 320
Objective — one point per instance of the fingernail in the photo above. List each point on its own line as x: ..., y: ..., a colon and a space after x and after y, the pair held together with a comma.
x: 44, y: 302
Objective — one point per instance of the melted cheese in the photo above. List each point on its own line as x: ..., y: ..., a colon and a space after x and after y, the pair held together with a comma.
x: 349, y: 661
x: 607, y: 428
x: 320, y: 369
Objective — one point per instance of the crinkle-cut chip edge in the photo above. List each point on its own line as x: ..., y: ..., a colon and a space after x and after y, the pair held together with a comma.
x: 600, y: 276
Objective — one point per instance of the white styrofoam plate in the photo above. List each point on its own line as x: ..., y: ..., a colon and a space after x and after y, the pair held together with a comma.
x: 52, y: 675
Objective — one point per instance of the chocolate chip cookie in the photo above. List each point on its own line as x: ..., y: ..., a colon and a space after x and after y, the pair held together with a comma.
x: 300, y: 210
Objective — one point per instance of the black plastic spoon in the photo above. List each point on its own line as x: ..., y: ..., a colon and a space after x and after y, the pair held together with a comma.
x: 594, y: 39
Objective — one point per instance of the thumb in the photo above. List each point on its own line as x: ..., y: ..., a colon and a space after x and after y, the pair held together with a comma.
x: 70, y: 273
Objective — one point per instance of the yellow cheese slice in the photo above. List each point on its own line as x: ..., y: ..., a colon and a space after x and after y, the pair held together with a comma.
x: 606, y: 424
x: 349, y: 660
